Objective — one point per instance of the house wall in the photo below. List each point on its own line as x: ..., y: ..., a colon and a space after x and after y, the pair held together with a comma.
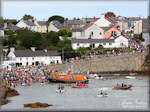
x: 51, y: 27
x: 21, y: 24
x: 138, y: 27
x: 146, y: 37
x: 121, y: 40
x: 76, y: 34
x: 30, y: 60
x: 102, y: 22
x: 107, y: 34
x: 1, y: 33
x: 98, y: 33
x: 42, y: 29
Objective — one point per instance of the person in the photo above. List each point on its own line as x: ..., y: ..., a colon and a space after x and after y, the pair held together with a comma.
x: 122, y: 84
x: 101, y: 93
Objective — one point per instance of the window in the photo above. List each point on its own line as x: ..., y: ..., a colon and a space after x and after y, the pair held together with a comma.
x: 20, y: 58
x: 110, y: 43
x: 91, y: 33
x: 32, y: 58
x: 78, y: 44
x: 104, y: 44
x: 100, y: 33
x: 26, y: 58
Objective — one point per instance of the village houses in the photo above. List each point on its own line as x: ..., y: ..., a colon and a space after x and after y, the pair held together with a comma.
x: 32, y: 57
x: 55, y: 26
x: 41, y: 26
x: 27, y: 24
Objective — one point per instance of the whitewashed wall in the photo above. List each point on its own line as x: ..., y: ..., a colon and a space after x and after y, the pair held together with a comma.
x: 51, y: 27
x: 96, y: 32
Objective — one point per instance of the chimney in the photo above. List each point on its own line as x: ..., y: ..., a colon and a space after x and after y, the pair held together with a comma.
x: 45, y: 50
x: 102, y: 15
x: 33, y: 48
x: 12, y: 49
x: 5, y: 25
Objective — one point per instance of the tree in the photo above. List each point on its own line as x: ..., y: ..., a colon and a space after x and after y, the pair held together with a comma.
x: 56, y: 17
x: 27, y: 17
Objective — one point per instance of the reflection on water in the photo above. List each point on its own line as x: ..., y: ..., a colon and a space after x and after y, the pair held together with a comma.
x: 84, y: 98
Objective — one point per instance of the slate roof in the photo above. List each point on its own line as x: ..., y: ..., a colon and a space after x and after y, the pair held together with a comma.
x: 57, y: 24
x: 41, y: 23
x: 13, y: 27
x: 106, y: 28
x: 74, y: 40
x: 29, y: 23
x: 30, y: 53
x: 76, y: 22
x: 76, y: 30
x: 91, y: 19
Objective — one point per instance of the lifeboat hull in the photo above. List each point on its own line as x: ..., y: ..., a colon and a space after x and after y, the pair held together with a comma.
x: 54, y: 80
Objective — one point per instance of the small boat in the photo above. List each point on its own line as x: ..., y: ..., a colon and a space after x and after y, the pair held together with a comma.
x: 117, y: 74
x: 130, y: 77
x: 102, y: 95
x: 125, y: 87
x: 79, y: 85
x: 60, y: 90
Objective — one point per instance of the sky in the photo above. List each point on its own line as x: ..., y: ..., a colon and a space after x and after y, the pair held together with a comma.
x: 42, y: 10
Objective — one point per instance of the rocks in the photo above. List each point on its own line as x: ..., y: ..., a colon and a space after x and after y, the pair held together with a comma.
x: 5, y: 92
x: 37, y: 105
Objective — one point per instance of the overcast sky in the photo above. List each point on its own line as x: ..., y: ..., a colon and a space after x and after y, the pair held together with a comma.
x: 42, y: 10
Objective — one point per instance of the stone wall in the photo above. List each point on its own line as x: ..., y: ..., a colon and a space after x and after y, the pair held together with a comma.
x: 128, y: 62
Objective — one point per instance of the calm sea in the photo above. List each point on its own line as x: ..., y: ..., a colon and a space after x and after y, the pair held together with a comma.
x: 84, y: 98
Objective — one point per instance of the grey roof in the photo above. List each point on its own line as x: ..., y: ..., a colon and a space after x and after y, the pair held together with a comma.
x: 74, y: 40
x: 30, y: 53
x: 145, y: 26
x: 29, y: 23
x: 91, y: 19
x: 76, y: 30
x: 106, y: 28
x: 133, y: 18
x: 76, y: 22
x: 41, y: 23
x: 57, y: 24
x: 13, y: 27
x: 87, y: 25
x: 112, y: 19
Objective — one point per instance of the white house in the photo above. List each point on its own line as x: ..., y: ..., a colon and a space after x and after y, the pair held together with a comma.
x: 55, y: 26
x: 27, y: 24
x: 112, y: 42
x: 1, y: 33
x: 103, y: 21
x: 32, y: 57
x: 89, y: 31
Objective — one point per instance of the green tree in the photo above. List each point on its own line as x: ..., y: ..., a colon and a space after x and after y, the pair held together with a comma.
x: 56, y: 17
x: 27, y: 17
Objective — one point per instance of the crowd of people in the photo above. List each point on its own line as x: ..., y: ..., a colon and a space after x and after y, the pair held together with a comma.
x: 21, y: 75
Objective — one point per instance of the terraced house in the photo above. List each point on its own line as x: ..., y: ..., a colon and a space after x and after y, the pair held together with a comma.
x: 41, y: 26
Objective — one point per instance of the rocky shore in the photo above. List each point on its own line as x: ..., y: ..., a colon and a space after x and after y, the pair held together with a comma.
x: 6, y: 91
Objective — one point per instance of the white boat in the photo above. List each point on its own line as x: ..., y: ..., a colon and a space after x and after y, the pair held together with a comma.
x: 60, y: 90
x: 117, y: 74
x: 102, y: 95
x: 99, y: 77
x: 130, y: 77
x: 24, y: 84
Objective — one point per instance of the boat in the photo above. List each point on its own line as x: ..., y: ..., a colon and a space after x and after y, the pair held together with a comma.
x: 117, y: 74
x: 102, y: 95
x: 60, y: 90
x: 79, y: 85
x: 125, y: 87
x: 67, y: 78
x: 130, y: 77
